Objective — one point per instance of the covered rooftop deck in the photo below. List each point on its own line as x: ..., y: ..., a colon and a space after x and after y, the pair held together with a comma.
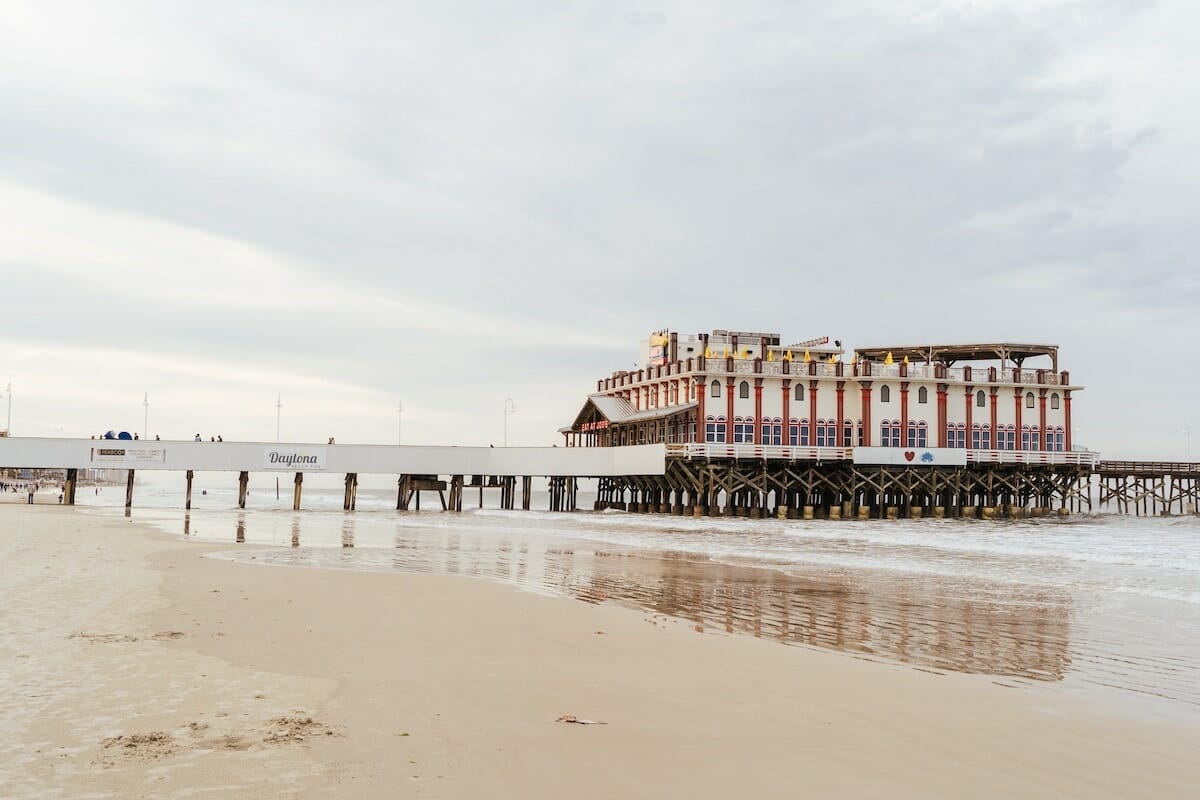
x: 952, y: 353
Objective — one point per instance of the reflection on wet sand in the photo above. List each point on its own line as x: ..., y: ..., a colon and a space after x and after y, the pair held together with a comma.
x: 931, y: 621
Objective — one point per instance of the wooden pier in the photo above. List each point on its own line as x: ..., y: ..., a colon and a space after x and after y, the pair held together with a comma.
x: 842, y: 490
x: 1149, y: 487
x: 686, y: 480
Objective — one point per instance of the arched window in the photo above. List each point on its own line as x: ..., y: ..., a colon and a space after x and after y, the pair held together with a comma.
x: 885, y: 394
x: 772, y: 431
x: 1006, y: 437
x: 1054, y: 400
x: 1029, y: 399
x: 981, y: 436
x: 827, y: 433
x: 1031, y: 437
x: 799, y: 394
x: 743, y: 390
x: 1060, y: 438
x: 743, y: 430
x: 980, y: 399
x: 798, y: 432
x: 714, y: 428
x: 847, y: 433
x: 922, y: 395
x: 889, y: 433
x: 956, y: 434
x: 714, y: 388
x: 918, y: 434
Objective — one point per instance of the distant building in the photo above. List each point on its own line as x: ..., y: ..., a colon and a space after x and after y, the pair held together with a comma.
x: 747, y: 388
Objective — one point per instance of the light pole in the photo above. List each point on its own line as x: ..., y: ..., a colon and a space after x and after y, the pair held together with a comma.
x: 278, y: 410
x: 509, y: 408
x: 400, y: 422
x: 146, y: 416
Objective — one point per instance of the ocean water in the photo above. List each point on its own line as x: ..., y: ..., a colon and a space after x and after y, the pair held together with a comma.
x: 1104, y: 605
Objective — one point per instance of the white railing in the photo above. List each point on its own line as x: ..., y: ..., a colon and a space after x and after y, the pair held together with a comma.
x: 792, y: 453
x: 1083, y: 458
x: 757, y: 451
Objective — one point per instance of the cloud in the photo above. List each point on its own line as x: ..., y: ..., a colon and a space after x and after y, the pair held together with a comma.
x: 454, y: 205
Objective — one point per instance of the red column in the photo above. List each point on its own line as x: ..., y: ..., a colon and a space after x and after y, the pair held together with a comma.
x: 941, y: 415
x: 787, y: 399
x: 758, y: 410
x: 812, y: 413
x: 1017, y: 400
x: 970, y: 395
x: 904, y: 414
x: 1042, y: 416
x: 701, y: 391
x: 729, y: 408
x: 841, y: 417
x: 995, y: 434
x: 866, y: 413
x: 1067, y: 419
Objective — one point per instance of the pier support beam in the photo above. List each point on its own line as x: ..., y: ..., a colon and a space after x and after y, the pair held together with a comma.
x: 69, y: 487
x: 526, y: 492
x: 243, y: 485
x: 297, y: 490
x: 187, y: 499
x: 351, y: 497
x: 128, y: 491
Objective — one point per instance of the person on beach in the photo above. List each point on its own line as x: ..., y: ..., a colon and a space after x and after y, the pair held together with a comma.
x: 30, y: 501
x: 198, y: 439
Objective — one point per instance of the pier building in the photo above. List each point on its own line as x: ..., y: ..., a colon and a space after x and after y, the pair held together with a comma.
x: 755, y: 425
x: 711, y: 391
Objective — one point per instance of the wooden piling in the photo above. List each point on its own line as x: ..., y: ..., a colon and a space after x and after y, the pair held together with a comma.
x: 243, y: 485
x: 298, y: 482
x: 187, y: 500
x: 128, y: 491
x: 350, y: 497
x: 69, y: 486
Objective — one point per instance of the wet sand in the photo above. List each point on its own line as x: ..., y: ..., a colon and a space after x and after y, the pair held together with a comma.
x: 136, y: 666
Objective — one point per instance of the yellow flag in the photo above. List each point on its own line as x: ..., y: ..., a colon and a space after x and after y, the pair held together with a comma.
x: 707, y: 351
x: 788, y: 356
x: 807, y: 357
x: 745, y: 352
x: 889, y: 360
x: 726, y: 353
x: 770, y: 355
x: 906, y: 360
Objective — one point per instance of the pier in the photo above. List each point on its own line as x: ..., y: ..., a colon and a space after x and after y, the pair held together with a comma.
x: 690, y: 479
x: 418, y: 469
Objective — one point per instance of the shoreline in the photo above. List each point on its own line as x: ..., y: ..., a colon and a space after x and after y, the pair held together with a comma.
x: 426, y: 683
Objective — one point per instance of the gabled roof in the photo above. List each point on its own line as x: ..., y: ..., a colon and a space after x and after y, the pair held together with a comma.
x: 618, y: 411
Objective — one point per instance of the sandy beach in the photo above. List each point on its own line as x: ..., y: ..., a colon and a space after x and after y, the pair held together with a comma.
x: 135, y: 666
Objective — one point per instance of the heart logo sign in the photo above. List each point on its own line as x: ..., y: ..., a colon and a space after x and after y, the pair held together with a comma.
x: 909, y: 455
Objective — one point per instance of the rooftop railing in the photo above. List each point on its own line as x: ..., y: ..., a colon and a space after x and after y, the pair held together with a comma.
x: 727, y: 365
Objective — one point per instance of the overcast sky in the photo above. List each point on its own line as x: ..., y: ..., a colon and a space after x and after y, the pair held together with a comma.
x: 451, y: 204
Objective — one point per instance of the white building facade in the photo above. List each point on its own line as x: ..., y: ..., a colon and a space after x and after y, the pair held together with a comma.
x: 739, y: 389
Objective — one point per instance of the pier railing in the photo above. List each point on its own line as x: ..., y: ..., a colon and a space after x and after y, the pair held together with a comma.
x: 710, y: 450
x: 1080, y: 458
x: 757, y: 451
